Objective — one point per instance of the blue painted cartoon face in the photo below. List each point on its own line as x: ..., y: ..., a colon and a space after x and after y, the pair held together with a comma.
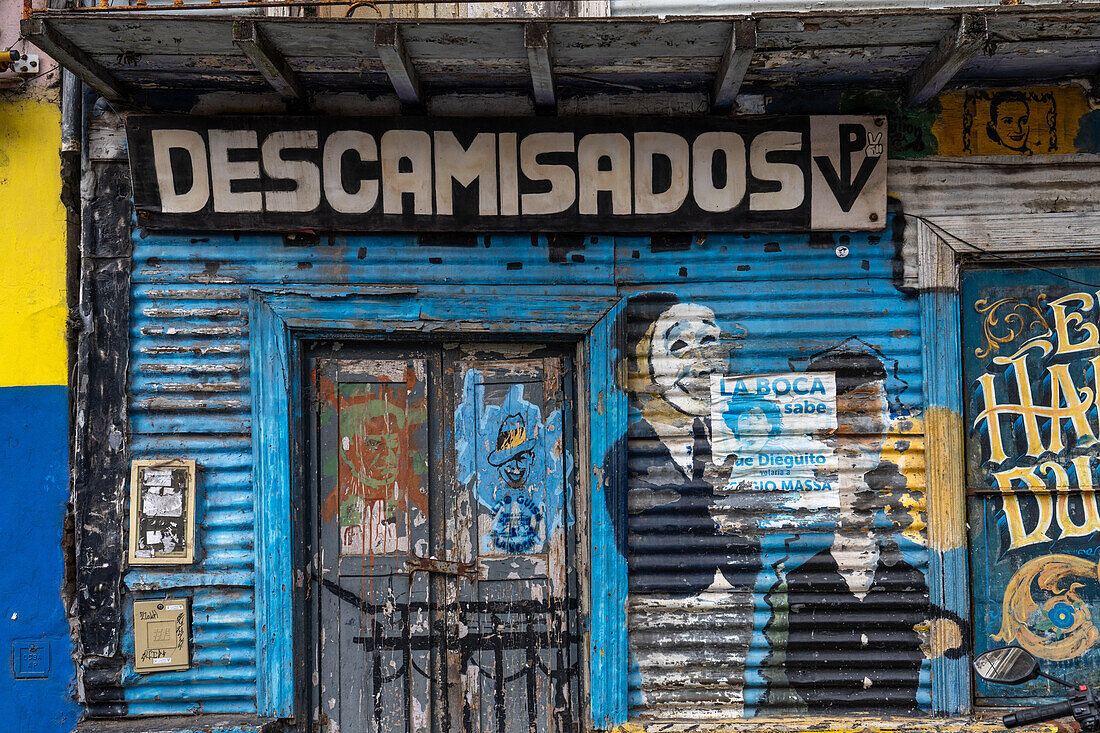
x: 513, y: 452
x: 514, y: 455
x: 515, y: 470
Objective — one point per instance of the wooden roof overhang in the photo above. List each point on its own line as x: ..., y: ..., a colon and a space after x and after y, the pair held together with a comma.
x: 141, y: 54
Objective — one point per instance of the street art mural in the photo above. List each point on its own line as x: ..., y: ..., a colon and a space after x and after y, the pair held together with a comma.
x: 380, y: 468
x: 1046, y: 120
x: 775, y: 491
x: 1032, y: 356
x: 408, y: 582
x: 861, y: 569
x: 772, y: 425
x: 516, y: 456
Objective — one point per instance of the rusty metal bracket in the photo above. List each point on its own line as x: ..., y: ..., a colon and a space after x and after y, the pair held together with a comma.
x: 470, y: 571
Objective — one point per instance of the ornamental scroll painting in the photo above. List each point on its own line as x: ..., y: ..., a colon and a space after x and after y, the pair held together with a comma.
x: 514, y: 452
x: 1031, y: 345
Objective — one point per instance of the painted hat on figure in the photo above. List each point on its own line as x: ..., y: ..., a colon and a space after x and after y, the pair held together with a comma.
x: 511, y: 440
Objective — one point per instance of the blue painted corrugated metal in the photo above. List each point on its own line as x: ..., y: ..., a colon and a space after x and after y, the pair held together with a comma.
x: 189, y: 382
x: 715, y: 618
x: 190, y: 396
x: 781, y: 610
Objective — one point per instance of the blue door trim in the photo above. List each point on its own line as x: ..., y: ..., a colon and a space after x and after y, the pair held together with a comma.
x: 948, y: 573
x: 607, y: 420
x: 279, y: 318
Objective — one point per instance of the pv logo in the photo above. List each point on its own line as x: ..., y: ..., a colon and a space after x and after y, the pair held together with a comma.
x: 854, y: 140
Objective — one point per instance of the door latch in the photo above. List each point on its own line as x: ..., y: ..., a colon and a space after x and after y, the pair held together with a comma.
x: 466, y: 570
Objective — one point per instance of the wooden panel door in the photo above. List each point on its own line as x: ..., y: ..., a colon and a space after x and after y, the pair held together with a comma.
x: 512, y: 473
x: 374, y: 612
x: 441, y: 577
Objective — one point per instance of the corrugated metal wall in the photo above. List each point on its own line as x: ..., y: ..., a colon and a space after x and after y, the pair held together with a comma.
x: 189, y: 397
x: 740, y: 605
x: 189, y: 386
x: 712, y: 626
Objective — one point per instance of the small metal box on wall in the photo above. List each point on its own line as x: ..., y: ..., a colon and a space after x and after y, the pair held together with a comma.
x: 162, y: 512
x: 162, y: 635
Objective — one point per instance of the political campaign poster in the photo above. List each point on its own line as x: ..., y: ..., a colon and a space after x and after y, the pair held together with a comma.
x: 769, y: 428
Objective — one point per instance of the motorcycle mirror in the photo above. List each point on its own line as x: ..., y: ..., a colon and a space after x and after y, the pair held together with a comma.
x: 1006, y: 665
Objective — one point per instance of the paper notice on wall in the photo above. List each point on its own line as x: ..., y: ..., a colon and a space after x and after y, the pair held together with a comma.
x: 770, y: 428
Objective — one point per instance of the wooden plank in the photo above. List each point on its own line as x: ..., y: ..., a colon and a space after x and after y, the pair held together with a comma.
x: 1039, y: 185
x: 271, y: 455
x: 73, y: 59
x: 251, y: 39
x: 391, y: 49
x: 537, y: 40
x: 607, y: 418
x: 734, y: 64
x: 950, y: 55
x: 947, y: 586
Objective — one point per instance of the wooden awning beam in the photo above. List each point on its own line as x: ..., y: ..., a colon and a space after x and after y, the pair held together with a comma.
x: 72, y: 58
x: 734, y: 65
x: 251, y: 39
x: 395, y: 59
x: 536, y: 37
x: 950, y: 55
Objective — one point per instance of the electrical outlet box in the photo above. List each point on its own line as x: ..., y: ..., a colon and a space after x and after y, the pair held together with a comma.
x: 26, y: 65
x: 162, y: 635
x: 30, y: 659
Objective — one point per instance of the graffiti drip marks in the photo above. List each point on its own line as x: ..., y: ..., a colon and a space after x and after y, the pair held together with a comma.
x: 380, y: 465
x: 1060, y: 626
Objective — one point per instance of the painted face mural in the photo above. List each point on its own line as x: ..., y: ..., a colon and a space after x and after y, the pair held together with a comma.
x: 770, y: 492
x: 675, y: 349
x: 857, y: 568
x: 685, y: 350
x: 1009, y: 120
x: 381, y: 465
x: 516, y: 457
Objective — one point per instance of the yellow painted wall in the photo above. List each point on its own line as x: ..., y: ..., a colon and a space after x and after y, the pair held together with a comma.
x: 32, y: 245
x: 1048, y: 119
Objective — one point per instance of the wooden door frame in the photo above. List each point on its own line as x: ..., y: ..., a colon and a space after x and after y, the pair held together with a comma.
x: 281, y: 318
x: 942, y: 242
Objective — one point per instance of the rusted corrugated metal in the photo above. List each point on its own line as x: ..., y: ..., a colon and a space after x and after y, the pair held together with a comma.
x: 741, y: 605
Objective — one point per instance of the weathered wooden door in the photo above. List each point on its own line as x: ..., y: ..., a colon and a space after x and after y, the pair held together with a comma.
x: 512, y: 475
x: 439, y: 554
x: 1031, y: 366
x: 374, y: 611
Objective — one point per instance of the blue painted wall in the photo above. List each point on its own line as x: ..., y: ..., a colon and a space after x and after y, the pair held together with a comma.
x: 34, y: 452
x: 780, y: 303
